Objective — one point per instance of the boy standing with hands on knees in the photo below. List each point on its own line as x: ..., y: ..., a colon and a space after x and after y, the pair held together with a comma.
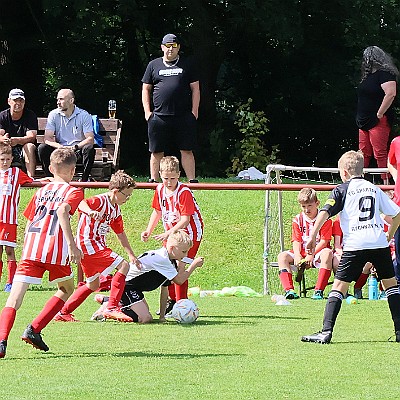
x: 98, y: 214
x: 360, y: 204
x: 11, y: 179
x: 49, y: 245
x: 174, y: 203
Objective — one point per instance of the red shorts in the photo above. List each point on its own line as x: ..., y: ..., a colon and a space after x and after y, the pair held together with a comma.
x: 8, y: 234
x: 30, y: 271
x: 101, y: 263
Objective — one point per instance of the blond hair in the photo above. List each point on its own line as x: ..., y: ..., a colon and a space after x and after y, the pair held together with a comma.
x: 179, y: 237
x: 62, y: 157
x: 353, y: 162
x: 307, y: 195
x: 5, y: 149
x: 169, y: 164
x: 121, y: 180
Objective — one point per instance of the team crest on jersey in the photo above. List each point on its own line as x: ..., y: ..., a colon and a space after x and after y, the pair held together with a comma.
x: 171, y: 217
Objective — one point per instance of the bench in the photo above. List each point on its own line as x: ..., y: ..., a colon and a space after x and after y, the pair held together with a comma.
x: 110, y: 129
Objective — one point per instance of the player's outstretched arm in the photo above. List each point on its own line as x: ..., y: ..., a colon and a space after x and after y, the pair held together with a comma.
x: 183, y: 275
x: 393, y: 227
x: 321, y: 218
x: 153, y: 221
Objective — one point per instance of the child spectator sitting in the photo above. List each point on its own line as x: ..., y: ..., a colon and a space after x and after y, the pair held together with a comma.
x: 323, y: 256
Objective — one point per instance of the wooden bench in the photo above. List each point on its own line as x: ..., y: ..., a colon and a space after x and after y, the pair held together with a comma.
x: 110, y: 129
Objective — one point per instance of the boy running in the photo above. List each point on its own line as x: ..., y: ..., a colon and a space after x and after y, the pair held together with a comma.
x: 48, y: 246
x: 360, y: 204
x: 99, y: 214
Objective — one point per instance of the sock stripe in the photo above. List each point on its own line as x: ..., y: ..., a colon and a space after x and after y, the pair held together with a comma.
x: 392, y: 290
x: 337, y: 294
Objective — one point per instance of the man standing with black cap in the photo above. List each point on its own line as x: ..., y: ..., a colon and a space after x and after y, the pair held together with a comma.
x: 18, y: 128
x: 172, y: 83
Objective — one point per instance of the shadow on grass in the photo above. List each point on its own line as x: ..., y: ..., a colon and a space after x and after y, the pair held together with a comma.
x: 136, y: 354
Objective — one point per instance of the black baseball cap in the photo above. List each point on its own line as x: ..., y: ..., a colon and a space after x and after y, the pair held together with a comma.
x: 170, y: 38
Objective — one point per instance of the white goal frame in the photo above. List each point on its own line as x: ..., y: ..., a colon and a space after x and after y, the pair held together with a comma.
x: 275, y: 173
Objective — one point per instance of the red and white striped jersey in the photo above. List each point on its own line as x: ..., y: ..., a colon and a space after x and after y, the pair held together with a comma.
x: 91, y: 236
x: 11, y: 180
x: 301, y: 229
x: 173, y: 205
x: 44, y: 238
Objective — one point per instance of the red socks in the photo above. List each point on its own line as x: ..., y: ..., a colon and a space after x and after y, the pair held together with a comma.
x: 50, y: 309
x: 77, y: 298
x: 117, y: 289
x: 7, y: 319
x: 286, y: 279
x: 12, y: 267
x: 178, y: 291
x: 361, y: 281
x: 323, y: 278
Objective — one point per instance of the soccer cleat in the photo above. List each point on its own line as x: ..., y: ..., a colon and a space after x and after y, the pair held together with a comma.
x: 64, y: 318
x: 98, y: 314
x: 318, y: 295
x: 7, y: 287
x: 358, y: 293
x: 170, y: 306
x: 318, y: 337
x: 33, y: 338
x: 291, y: 295
x: 116, y: 314
x: 3, y: 348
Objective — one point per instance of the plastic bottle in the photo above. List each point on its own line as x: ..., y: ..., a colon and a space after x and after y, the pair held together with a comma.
x: 277, y: 297
x: 372, y: 287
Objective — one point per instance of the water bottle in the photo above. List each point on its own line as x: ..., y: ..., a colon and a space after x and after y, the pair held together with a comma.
x: 351, y: 300
x: 373, y: 287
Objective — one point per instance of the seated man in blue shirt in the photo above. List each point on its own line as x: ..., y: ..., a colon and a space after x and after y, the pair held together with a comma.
x: 68, y: 126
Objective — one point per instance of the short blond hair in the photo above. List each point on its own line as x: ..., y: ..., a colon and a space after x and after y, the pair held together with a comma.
x: 62, y: 157
x: 307, y: 195
x: 179, y: 237
x: 169, y: 164
x: 5, y: 149
x: 121, y: 180
x: 353, y: 162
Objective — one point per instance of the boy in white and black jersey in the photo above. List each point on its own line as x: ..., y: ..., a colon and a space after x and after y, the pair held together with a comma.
x: 158, y: 268
x: 360, y: 204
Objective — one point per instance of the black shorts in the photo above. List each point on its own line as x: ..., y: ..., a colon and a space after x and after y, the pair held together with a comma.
x: 131, y: 296
x: 352, y: 262
x: 167, y: 133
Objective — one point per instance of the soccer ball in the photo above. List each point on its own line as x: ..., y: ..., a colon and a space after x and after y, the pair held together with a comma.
x: 185, y: 311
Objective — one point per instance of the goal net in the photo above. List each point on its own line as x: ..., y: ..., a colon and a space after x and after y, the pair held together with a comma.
x: 281, y: 206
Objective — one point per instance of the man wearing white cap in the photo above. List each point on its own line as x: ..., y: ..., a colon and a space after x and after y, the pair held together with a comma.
x: 18, y: 128
x: 173, y: 83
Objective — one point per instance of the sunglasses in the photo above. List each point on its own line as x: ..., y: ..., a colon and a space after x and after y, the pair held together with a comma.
x: 168, y: 45
x: 127, y: 196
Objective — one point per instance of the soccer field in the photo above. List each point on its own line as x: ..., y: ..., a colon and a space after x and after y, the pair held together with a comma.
x: 240, y: 348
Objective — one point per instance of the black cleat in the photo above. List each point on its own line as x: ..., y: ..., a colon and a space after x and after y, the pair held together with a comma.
x: 318, y: 337
x: 3, y: 348
x: 35, y: 339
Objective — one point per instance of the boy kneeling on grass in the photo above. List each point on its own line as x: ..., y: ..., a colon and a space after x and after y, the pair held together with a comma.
x: 158, y: 268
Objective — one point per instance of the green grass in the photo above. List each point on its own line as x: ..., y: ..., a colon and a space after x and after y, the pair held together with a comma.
x: 240, y: 348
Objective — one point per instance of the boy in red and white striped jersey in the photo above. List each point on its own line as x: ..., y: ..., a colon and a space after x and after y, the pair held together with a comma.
x: 97, y: 215
x: 48, y: 246
x: 11, y: 179
x: 174, y: 203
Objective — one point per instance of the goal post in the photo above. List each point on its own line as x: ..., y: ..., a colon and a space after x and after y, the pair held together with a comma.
x: 281, y: 206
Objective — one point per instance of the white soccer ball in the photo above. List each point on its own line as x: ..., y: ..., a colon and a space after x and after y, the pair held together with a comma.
x: 185, y: 311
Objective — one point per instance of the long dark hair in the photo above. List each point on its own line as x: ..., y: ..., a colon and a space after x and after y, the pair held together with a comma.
x: 374, y: 59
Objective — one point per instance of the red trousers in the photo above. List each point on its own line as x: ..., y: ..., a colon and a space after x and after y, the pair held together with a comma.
x: 375, y: 142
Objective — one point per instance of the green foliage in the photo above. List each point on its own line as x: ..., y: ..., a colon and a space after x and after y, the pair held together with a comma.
x: 251, y: 151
